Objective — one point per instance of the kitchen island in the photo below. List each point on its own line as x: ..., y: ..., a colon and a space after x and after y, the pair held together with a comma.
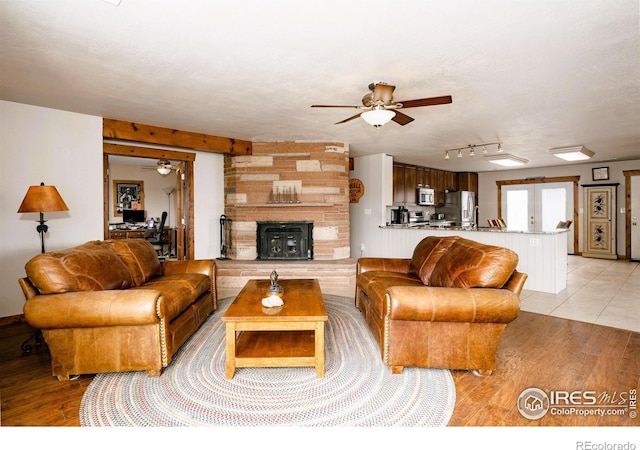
x: 542, y: 255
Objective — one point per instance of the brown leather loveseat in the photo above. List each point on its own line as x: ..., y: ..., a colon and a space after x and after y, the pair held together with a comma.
x: 445, y: 307
x: 111, y: 306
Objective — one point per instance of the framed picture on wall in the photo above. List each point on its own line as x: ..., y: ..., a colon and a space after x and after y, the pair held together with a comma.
x: 600, y: 173
x: 127, y: 194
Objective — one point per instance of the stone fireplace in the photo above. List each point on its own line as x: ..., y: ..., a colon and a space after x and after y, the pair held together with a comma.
x: 285, y: 240
x: 312, y: 179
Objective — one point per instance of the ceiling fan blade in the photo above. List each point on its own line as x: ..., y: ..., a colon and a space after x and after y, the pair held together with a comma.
x: 335, y: 106
x: 383, y: 93
x: 427, y: 101
x: 402, y: 118
x: 347, y: 120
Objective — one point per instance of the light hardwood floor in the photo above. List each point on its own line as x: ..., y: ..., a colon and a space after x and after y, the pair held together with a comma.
x: 537, y: 350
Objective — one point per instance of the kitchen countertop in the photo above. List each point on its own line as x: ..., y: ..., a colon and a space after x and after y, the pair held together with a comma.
x: 426, y: 226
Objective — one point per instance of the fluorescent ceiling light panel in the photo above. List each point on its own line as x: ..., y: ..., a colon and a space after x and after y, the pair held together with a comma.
x: 507, y: 160
x: 578, y: 153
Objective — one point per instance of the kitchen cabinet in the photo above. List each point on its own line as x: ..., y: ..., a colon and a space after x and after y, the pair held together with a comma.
x: 407, y: 177
x: 443, y: 181
x: 404, y: 184
x: 468, y: 181
x: 398, y: 183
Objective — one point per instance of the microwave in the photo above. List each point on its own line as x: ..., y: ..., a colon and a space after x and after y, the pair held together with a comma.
x: 425, y: 196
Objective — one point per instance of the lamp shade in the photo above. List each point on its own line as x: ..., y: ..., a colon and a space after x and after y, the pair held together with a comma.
x: 42, y: 199
x: 164, y: 167
x: 378, y: 117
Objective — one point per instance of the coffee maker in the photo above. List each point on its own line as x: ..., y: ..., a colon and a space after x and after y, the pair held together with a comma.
x: 400, y: 215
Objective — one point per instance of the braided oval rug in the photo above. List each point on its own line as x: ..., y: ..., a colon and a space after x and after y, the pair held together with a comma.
x: 357, y: 389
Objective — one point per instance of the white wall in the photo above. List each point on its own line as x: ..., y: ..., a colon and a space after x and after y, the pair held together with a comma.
x: 376, y: 174
x: 488, y: 191
x: 65, y: 149
x: 58, y: 148
x: 209, y: 203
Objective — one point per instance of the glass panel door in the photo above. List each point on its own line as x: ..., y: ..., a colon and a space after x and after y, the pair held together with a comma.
x: 538, y: 207
x: 518, y: 207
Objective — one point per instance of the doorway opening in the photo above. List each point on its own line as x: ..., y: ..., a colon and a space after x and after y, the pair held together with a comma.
x: 183, y: 193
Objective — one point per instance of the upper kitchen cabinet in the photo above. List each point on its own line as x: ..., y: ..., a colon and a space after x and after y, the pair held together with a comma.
x: 407, y: 177
x: 468, y: 181
x: 404, y: 184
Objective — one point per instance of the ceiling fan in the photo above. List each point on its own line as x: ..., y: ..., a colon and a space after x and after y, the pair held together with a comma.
x: 163, y: 166
x: 379, y: 107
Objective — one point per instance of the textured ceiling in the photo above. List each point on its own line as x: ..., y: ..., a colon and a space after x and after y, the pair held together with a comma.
x: 532, y: 74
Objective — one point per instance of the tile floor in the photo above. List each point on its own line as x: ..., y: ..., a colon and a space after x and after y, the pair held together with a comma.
x: 600, y: 291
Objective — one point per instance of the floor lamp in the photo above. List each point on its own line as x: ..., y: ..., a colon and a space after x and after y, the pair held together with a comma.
x: 169, y: 191
x: 40, y: 199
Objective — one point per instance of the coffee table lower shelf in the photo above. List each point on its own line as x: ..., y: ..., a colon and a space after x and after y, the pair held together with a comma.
x: 275, y: 348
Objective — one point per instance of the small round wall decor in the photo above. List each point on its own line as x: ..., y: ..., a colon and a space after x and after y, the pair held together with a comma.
x: 356, y: 190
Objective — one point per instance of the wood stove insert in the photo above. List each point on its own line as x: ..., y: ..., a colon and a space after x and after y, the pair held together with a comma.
x: 285, y: 240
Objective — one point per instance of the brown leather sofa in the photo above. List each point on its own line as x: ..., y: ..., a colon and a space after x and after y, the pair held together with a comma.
x: 445, y: 307
x: 111, y: 306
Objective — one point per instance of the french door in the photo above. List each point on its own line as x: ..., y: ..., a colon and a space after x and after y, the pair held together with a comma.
x: 538, y: 207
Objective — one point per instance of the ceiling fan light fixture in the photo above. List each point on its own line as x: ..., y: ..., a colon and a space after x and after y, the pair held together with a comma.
x: 507, y: 160
x: 164, y: 167
x: 377, y: 117
x: 577, y: 153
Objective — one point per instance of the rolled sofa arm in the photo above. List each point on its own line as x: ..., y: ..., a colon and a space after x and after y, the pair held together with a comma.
x: 444, y: 304
x: 398, y: 265
x: 95, y: 309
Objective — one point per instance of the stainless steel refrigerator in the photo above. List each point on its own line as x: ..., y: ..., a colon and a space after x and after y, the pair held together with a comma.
x: 459, y: 207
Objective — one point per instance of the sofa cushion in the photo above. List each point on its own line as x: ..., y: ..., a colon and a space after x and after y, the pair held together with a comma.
x: 427, y: 253
x: 139, y: 256
x: 179, y: 290
x: 92, y: 266
x: 365, y: 279
x: 469, y: 264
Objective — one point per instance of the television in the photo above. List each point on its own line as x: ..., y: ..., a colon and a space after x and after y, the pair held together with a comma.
x: 133, y: 215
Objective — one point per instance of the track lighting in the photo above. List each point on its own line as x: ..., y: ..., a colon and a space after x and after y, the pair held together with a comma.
x: 472, y: 149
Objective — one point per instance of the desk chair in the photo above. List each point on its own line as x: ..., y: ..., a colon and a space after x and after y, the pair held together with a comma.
x: 156, y: 238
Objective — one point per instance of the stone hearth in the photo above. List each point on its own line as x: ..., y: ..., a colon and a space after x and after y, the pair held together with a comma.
x: 316, y: 175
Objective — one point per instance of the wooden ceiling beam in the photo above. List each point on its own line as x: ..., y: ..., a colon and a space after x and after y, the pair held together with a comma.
x: 142, y: 152
x: 131, y: 131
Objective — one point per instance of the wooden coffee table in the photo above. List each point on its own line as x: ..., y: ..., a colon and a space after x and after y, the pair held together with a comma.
x: 291, y: 335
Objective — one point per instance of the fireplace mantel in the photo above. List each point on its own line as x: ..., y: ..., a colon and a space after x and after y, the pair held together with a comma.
x: 289, y: 205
